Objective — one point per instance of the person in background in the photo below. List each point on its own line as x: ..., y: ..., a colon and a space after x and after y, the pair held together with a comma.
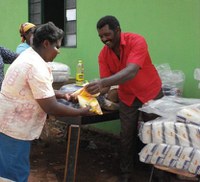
x: 6, y: 57
x: 125, y: 61
x: 26, y: 31
x: 26, y: 97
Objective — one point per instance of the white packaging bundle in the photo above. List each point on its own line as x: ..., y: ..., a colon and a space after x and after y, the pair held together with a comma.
x: 172, y: 156
x: 169, y: 133
x: 60, y: 71
x: 157, y: 132
x: 168, y: 106
x: 182, y: 134
x: 185, y: 158
x: 159, y: 154
x: 147, y: 152
x: 189, y: 114
x: 145, y: 132
x: 194, y: 133
x: 194, y: 167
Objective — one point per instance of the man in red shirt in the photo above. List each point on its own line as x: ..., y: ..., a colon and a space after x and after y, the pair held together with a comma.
x: 125, y: 61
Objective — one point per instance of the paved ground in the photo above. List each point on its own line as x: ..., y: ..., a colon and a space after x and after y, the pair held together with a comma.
x: 98, y: 161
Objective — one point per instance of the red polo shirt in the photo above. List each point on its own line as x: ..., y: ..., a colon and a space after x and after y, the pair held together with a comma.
x: 133, y: 49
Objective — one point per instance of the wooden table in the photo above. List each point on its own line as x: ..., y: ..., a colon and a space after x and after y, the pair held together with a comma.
x: 74, y: 138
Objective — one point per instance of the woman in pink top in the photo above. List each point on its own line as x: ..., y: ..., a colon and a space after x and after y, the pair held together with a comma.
x: 26, y: 98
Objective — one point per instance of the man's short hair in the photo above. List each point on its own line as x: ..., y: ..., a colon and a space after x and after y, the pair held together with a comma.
x: 111, y: 21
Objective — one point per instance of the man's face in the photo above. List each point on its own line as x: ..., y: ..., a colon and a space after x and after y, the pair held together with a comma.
x: 109, y: 37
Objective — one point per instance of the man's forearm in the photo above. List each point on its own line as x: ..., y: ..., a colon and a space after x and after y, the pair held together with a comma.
x: 126, y: 74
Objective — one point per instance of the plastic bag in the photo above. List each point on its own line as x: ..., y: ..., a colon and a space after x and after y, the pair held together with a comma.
x: 86, y: 99
x: 110, y: 101
x: 197, y: 75
x: 167, y: 106
x: 70, y: 88
x: 172, y: 80
x: 60, y: 71
x: 107, y: 104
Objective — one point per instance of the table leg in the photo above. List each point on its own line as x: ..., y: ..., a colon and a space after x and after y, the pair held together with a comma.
x: 72, y: 153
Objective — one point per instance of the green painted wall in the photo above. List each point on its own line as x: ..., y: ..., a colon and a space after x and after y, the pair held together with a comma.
x: 12, y: 14
x: 171, y: 28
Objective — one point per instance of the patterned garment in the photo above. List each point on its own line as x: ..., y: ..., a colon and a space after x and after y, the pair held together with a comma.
x: 6, y: 57
x: 28, y: 78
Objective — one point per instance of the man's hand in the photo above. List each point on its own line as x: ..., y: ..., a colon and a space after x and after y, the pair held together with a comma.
x: 94, y: 87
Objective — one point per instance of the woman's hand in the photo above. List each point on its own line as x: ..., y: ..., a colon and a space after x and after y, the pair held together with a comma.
x: 86, y: 111
x: 60, y: 94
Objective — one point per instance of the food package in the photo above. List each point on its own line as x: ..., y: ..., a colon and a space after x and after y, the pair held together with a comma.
x: 110, y: 101
x: 86, y: 99
x: 159, y: 154
x: 189, y: 114
x: 60, y: 71
x: 112, y: 94
x: 107, y: 104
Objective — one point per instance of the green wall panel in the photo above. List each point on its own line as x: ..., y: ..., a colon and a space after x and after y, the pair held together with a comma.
x: 13, y: 13
x: 171, y: 28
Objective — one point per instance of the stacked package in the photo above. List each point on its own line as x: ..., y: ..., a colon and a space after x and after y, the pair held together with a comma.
x: 173, y: 142
x: 60, y: 71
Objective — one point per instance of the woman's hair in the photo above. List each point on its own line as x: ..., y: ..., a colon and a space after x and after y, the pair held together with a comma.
x: 47, y: 31
x: 24, y: 29
x: 111, y: 21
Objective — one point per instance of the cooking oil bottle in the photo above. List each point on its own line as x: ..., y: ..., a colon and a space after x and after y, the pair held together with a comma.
x: 80, y: 73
